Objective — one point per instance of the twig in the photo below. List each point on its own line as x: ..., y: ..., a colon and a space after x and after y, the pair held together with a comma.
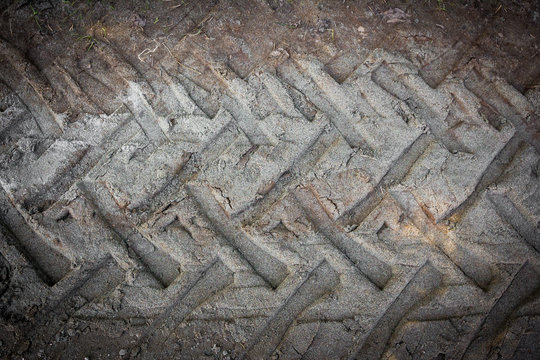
x: 148, y: 51
x: 177, y: 6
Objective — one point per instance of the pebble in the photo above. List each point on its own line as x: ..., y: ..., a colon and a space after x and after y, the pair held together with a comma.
x: 135, y: 351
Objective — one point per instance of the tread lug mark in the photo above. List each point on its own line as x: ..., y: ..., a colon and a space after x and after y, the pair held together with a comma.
x: 15, y: 258
x: 137, y: 86
x: 92, y: 84
x: 176, y: 96
x: 211, y: 281
x: 523, y: 285
x: 123, y: 72
x: 495, y: 168
x: 292, y: 176
x: 322, y: 280
x: 404, y: 87
x: 470, y: 264
x: 49, y: 176
x: 50, y: 264
x: 5, y: 274
x: 279, y: 94
x: 341, y: 118
x: 238, y: 105
x: 510, y: 213
x: 209, y: 151
x: 425, y: 280
x: 508, y: 102
x: 69, y: 88
x: 86, y: 159
x: 369, y: 265
x: 154, y: 82
x: 247, y: 121
x: 399, y: 169
x: 78, y: 289
x: 144, y: 115
x: 337, y: 99
x: 162, y: 266
x: 269, y: 268
x: 25, y: 80
x: 437, y: 70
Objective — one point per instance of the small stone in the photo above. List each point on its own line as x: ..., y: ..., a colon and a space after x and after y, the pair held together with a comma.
x: 139, y: 21
x: 135, y: 351
x: 122, y: 352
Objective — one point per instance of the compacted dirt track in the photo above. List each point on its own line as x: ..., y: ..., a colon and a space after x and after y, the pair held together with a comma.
x: 269, y: 180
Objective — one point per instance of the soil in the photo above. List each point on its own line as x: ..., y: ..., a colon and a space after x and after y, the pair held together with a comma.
x: 269, y: 179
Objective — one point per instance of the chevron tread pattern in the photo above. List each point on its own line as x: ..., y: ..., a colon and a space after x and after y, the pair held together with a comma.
x: 284, y: 214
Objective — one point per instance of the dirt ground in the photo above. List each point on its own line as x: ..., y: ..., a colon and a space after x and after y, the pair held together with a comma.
x: 437, y: 36
x: 85, y: 175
